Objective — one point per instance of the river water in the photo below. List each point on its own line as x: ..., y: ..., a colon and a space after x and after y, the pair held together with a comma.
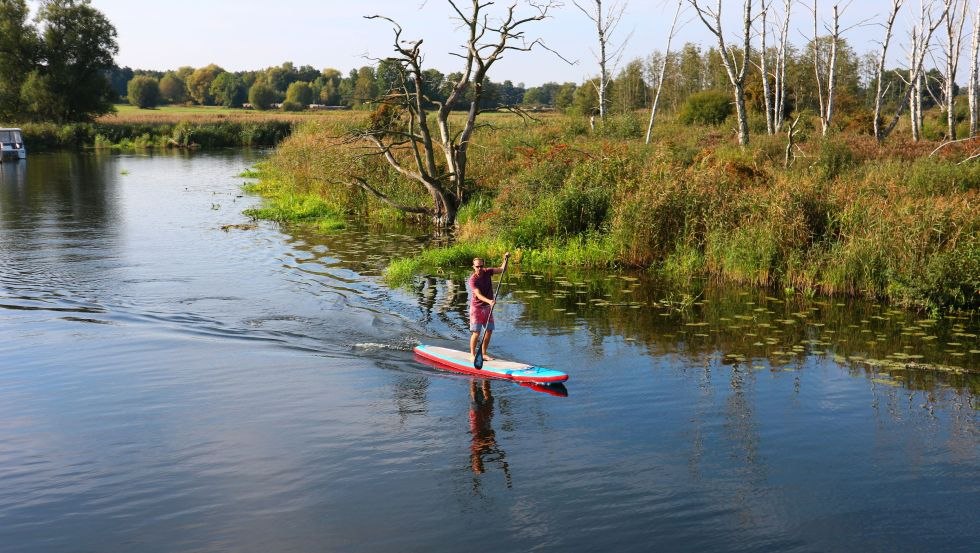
x: 173, y: 378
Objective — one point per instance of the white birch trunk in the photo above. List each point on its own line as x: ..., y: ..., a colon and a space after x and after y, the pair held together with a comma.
x: 663, y: 71
x: 826, y: 104
x: 736, y: 74
x: 973, y: 84
x: 879, y: 92
x: 915, y: 99
x: 764, y: 70
x: 915, y: 70
x: 779, y: 106
x: 955, y: 19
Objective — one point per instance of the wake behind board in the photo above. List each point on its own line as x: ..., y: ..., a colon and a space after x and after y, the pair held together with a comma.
x: 460, y: 361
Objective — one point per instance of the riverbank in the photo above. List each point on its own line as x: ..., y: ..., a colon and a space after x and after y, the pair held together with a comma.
x: 848, y: 218
x: 130, y: 128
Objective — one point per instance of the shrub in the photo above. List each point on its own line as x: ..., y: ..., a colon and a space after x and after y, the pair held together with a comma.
x: 143, y: 92
x: 834, y: 158
x: 710, y: 107
x: 289, y: 105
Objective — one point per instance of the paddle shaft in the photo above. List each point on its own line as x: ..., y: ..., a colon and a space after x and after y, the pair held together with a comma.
x: 478, y: 359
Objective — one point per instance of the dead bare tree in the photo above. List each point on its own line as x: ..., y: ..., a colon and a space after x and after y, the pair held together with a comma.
x: 955, y: 20
x: 606, y: 21
x: 879, y: 132
x: 711, y: 17
x: 928, y: 26
x: 921, y: 37
x: 779, y: 101
x: 825, y: 96
x: 767, y: 96
x: 973, y: 90
x: 400, y: 131
x: 663, y: 70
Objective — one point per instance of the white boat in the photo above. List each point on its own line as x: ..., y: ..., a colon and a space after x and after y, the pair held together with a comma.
x: 12, y: 144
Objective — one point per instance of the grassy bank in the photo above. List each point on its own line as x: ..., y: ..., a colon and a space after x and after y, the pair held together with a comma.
x: 848, y: 217
x: 42, y: 137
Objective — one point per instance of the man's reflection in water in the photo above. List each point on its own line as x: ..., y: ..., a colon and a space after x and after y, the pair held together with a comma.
x: 484, y: 448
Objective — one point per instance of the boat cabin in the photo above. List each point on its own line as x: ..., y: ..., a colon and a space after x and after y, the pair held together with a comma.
x: 12, y: 144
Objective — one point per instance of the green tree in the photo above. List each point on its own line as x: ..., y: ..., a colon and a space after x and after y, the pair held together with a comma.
x: 173, y: 89
x: 261, y: 95
x: 629, y: 91
x: 365, y: 87
x: 565, y: 96
x: 143, y: 92
x: 19, y: 46
x: 199, y: 84
x: 586, y: 98
x: 77, y: 46
x: 388, y: 77
x: 300, y: 93
x: 227, y: 90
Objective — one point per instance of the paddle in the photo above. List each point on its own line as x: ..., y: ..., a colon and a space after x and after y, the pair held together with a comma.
x: 478, y: 359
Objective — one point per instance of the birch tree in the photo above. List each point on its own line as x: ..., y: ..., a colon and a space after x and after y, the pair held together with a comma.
x: 605, y: 20
x: 928, y: 26
x: 779, y: 101
x: 972, y: 90
x: 921, y: 37
x: 767, y: 97
x: 955, y: 20
x: 879, y: 131
x: 711, y: 17
x: 825, y: 97
x: 400, y: 129
x: 663, y: 70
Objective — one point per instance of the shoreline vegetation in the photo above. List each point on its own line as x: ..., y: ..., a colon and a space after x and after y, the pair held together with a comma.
x: 168, y: 127
x: 896, y: 222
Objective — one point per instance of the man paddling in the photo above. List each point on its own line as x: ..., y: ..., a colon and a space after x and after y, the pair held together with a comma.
x: 480, y: 285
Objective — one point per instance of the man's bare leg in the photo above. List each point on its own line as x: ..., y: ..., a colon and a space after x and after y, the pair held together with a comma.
x: 486, y: 343
x: 473, y: 337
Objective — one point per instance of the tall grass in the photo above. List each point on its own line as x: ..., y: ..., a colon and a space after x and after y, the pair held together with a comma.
x: 849, y: 217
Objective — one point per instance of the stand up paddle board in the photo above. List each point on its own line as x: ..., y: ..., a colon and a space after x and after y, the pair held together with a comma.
x: 460, y: 361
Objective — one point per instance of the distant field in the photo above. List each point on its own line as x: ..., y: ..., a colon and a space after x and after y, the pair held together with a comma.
x: 126, y: 113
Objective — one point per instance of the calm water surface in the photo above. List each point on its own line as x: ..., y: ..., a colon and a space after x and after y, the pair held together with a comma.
x: 172, y: 383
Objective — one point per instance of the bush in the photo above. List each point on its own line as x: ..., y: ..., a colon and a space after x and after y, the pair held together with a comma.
x: 835, y: 158
x: 289, y: 105
x: 143, y: 92
x: 710, y: 107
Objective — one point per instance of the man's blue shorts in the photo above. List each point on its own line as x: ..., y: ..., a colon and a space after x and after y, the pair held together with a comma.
x: 477, y: 327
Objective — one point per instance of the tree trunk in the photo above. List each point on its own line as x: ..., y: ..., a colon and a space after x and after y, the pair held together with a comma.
x: 767, y: 98
x: 736, y: 74
x: 663, y: 71
x: 779, y: 106
x: 955, y: 19
x: 972, y: 91
x: 879, y: 93
x: 605, y: 22
x: 915, y: 70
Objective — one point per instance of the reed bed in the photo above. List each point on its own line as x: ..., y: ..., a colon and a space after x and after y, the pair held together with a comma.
x: 848, y: 217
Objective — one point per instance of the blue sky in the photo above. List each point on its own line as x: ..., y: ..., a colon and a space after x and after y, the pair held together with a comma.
x: 253, y: 34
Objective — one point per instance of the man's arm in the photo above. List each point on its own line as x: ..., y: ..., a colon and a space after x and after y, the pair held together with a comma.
x: 503, y: 267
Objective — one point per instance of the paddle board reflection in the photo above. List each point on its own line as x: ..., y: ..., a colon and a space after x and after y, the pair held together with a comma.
x: 483, y: 446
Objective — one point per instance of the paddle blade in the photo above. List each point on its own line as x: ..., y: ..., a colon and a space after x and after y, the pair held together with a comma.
x: 478, y: 360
